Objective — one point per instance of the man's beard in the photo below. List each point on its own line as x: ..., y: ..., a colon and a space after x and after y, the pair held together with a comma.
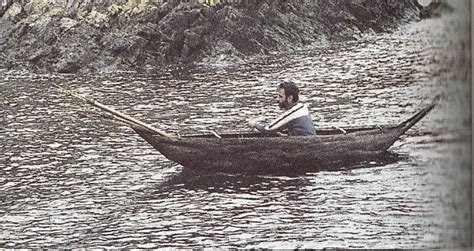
x: 284, y: 105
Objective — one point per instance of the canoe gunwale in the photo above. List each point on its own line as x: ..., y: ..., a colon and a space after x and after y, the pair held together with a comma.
x: 331, y: 131
x: 320, y: 132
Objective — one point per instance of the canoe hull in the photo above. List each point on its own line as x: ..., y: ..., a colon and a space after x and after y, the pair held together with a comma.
x: 248, y: 153
x: 262, y: 155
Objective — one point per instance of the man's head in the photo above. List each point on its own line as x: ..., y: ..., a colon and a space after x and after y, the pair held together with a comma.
x: 287, y: 95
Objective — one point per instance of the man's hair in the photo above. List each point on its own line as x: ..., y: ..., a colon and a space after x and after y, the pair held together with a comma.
x: 290, y: 89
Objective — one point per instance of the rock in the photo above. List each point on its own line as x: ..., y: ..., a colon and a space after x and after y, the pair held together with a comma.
x: 6, y: 30
x: 435, y: 9
x: 75, y: 36
x: 12, y: 11
x: 225, y: 48
x: 97, y: 18
x: 68, y: 23
x: 67, y: 64
x: 42, y: 52
x: 115, y: 43
x: 191, y: 43
x: 191, y: 39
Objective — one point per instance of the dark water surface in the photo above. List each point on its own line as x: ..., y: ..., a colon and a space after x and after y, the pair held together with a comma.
x: 68, y: 180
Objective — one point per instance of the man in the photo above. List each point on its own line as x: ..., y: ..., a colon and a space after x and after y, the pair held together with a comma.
x: 296, y: 117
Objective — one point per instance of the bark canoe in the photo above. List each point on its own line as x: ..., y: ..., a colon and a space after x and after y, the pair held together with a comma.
x: 258, y: 153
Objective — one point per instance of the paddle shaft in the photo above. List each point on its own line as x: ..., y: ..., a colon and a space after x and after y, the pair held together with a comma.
x: 115, y: 112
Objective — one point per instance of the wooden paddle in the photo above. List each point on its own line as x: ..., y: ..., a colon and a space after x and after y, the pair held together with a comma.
x: 120, y: 116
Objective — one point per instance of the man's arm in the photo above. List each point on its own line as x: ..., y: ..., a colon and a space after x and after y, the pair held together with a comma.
x: 264, y: 129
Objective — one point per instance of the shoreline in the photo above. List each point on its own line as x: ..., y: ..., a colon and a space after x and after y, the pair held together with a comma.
x: 89, y: 38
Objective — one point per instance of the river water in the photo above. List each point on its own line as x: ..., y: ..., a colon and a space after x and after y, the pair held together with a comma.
x: 68, y: 180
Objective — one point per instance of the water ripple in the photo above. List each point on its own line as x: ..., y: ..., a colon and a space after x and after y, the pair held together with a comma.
x: 68, y: 180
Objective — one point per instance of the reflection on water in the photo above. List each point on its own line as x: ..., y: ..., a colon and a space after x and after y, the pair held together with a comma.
x: 73, y: 181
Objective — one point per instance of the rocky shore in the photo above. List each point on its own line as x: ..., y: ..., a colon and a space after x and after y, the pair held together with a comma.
x: 86, y: 36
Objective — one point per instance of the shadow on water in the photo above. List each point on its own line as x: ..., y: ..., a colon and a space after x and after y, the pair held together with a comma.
x: 221, y: 182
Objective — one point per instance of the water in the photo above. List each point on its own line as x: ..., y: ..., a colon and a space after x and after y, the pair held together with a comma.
x: 68, y: 180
